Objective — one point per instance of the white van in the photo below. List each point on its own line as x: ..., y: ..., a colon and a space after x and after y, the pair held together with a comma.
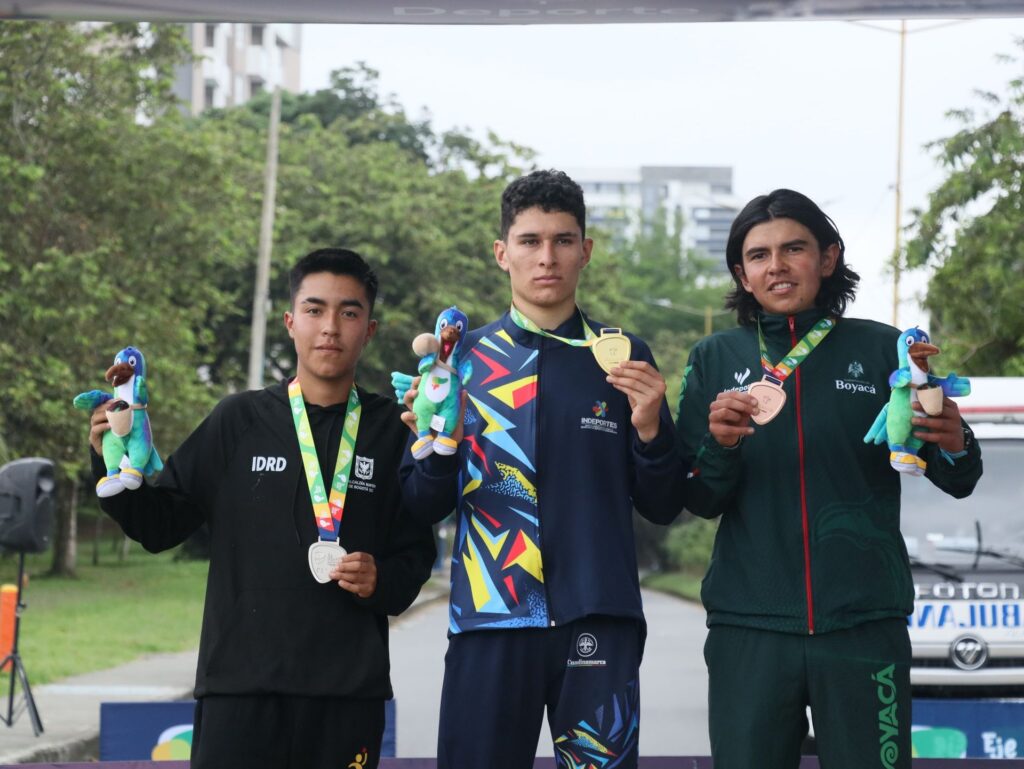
x: 967, y: 557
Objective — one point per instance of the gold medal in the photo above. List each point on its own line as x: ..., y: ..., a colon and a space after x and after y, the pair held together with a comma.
x: 611, y: 348
x: 770, y: 400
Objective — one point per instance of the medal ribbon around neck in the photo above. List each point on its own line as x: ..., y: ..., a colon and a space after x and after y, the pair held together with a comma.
x: 610, y: 347
x: 781, y: 371
x: 589, y: 335
x: 327, y: 511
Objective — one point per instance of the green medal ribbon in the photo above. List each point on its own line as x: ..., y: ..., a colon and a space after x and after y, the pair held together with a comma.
x: 327, y: 511
x: 589, y: 335
x: 796, y: 356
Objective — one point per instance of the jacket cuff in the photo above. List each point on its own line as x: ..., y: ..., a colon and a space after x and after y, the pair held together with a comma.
x: 375, y: 601
x: 715, y: 451
x: 99, y: 468
x: 438, y: 466
x: 958, y: 463
x: 660, y: 446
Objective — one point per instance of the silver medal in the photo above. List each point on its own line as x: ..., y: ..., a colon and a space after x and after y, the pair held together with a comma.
x: 323, y: 557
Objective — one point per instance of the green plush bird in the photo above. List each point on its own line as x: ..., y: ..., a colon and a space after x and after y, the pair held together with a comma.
x: 128, y: 450
x: 908, y: 383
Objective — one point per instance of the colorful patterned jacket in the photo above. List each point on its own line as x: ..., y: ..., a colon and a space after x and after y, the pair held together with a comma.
x: 544, y: 483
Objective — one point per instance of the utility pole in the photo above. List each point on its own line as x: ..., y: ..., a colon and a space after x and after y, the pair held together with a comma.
x: 897, y: 252
x: 261, y: 291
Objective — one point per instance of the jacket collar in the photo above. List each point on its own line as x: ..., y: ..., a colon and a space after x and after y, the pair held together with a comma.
x: 570, y: 329
x: 279, y: 392
x: 777, y: 326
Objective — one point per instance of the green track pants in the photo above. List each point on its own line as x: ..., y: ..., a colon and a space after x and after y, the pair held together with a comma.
x: 856, y: 682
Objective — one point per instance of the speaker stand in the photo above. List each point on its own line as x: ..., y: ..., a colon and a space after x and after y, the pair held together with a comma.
x: 18, y: 672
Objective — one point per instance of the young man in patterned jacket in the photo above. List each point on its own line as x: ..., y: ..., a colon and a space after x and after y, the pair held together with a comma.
x: 545, y: 602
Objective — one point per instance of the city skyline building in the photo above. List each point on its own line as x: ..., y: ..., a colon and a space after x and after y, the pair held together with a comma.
x: 234, y: 62
x: 621, y: 200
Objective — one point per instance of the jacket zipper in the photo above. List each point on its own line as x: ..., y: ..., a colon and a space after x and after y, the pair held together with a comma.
x: 803, y: 489
x: 538, y: 464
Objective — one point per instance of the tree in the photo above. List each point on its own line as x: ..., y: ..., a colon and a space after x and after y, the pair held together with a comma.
x: 113, y: 211
x: 665, y: 293
x: 971, y: 233
x: 669, y: 290
x: 354, y: 172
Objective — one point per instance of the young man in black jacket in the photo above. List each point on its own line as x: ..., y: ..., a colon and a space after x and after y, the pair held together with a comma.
x: 809, y: 585
x: 293, y: 666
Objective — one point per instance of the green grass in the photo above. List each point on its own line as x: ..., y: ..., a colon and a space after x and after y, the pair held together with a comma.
x: 677, y: 583
x: 106, y: 615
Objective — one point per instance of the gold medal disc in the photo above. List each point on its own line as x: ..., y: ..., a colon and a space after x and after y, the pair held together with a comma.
x: 770, y: 400
x: 611, y: 348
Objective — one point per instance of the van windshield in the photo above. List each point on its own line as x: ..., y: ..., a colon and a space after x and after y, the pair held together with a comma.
x: 939, y: 529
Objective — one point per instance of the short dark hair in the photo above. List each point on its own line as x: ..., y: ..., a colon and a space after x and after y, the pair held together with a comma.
x: 548, y: 190
x: 337, y: 261
x: 836, y: 291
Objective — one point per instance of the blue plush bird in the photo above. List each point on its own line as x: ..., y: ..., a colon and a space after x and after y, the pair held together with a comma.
x: 893, y: 425
x: 443, y: 374
x: 128, y: 450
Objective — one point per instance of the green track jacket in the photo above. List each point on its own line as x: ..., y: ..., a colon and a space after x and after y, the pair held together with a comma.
x: 809, y: 539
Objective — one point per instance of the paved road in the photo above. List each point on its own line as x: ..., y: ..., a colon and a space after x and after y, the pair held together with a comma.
x: 673, y: 680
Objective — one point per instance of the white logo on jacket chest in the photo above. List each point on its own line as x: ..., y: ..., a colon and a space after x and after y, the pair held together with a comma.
x: 362, y: 475
x: 364, y: 468
x: 268, y: 464
x: 597, y: 422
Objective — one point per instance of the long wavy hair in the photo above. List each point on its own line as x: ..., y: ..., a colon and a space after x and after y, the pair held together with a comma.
x: 836, y: 291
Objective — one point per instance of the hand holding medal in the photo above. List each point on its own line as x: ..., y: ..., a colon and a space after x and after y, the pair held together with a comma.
x: 768, y: 392
x: 731, y: 412
x: 644, y: 386
x: 356, y: 573
x: 640, y: 381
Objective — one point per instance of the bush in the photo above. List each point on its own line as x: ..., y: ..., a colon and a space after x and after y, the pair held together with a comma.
x: 688, y: 544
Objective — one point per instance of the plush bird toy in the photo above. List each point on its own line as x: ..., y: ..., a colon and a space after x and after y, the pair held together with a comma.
x: 128, y: 450
x: 443, y: 375
x: 915, y: 392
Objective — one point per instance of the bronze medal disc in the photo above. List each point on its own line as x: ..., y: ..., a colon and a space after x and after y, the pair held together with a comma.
x: 770, y: 400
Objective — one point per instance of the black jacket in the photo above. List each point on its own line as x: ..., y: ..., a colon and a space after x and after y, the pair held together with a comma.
x: 268, y: 626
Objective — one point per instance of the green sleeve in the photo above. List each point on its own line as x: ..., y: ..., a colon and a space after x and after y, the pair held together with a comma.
x: 959, y: 476
x: 712, y: 470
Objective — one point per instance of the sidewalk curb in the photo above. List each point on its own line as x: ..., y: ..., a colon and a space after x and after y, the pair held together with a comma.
x: 84, y: 746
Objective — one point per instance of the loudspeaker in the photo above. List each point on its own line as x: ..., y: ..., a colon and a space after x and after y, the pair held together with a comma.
x: 26, y: 504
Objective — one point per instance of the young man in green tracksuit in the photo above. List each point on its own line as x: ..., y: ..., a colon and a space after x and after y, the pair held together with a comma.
x: 809, y: 584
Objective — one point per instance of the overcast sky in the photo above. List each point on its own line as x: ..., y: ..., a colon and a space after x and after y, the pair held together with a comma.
x: 810, y: 105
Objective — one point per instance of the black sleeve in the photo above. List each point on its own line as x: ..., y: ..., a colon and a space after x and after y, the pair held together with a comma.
x: 430, y: 486
x: 659, y: 477
x: 402, y: 566
x: 158, y: 516
x: 162, y: 515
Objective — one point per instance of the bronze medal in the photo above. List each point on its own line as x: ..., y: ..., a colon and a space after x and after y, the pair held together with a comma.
x: 611, y: 348
x: 770, y: 400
